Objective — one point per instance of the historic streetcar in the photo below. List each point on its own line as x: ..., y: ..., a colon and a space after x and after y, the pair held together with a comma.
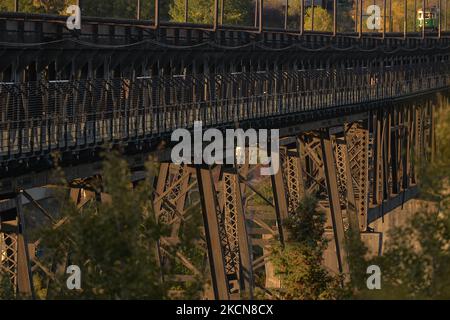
x: 428, y: 19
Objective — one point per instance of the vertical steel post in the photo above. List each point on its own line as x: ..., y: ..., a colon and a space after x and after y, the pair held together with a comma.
x: 286, y: 12
x: 423, y: 19
x: 156, y: 14
x: 256, y: 20
x: 333, y: 198
x: 216, y: 14
x: 440, y: 18
x: 186, y: 11
x: 222, y: 11
x: 415, y: 15
x: 432, y: 141
x: 281, y: 201
x: 138, y: 10
x: 302, y: 17
x: 24, y: 276
x: 360, y: 18
x: 405, y: 27
x: 246, y: 266
x: 384, y: 18
x: 446, y: 14
x: 407, y: 147
x: 215, y: 251
x: 260, y: 12
x: 334, y: 17
x: 390, y: 16
x: 16, y: 6
x: 378, y: 186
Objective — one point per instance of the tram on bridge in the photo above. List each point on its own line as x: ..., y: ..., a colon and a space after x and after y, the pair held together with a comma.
x: 428, y: 19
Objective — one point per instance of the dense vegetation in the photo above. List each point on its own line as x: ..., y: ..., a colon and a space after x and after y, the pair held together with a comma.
x: 236, y: 12
x: 416, y: 259
x: 113, y: 238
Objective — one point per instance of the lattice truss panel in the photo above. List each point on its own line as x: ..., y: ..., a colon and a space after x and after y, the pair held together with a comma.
x: 262, y: 226
x: 357, y: 145
x: 226, y: 215
x: 331, y: 164
x: 311, y: 156
x: 320, y: 158
x: 230, y: 188
x: 294, y: 179
x: 421, y: 135
x: 81, y: 193
x: 8, y: 255
x: 172, y: 203
x: 342, y: 167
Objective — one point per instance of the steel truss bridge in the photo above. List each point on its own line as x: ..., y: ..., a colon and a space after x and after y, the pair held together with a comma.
x: 355, y: 110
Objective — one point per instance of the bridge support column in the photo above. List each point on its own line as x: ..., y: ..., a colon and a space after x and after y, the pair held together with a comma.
x: 334, y: 213
x: 316, y: 175
x: 226, y: 230
x: 214, y: 233
x: 14, y: 250
x: 172, y: 208
x: 357, y: 161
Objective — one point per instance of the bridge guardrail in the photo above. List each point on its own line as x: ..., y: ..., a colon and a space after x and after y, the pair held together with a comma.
x: 131, y: 115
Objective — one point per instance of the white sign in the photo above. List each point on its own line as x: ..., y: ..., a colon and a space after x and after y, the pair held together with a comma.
x: 74, y: 20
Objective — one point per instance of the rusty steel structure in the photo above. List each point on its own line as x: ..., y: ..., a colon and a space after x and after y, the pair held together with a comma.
x: 355, y: 113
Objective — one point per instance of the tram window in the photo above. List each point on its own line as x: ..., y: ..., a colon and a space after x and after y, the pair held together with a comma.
x: 420, y: 15
x: 428, y: 15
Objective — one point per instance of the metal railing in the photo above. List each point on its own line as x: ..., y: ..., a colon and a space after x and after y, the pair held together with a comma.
x: 354, y: 15
x: 44, y: 117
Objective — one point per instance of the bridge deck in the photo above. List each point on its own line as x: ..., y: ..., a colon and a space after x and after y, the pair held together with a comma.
x: 85, y: 115
x: 123, y: 34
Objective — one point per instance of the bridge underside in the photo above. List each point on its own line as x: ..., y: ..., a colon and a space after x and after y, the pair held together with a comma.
x: 354, y: 114
x: 356, y: 167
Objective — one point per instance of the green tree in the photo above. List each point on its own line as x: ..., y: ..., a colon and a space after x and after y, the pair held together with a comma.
x: 345, y: 20
x: 202, y: 11
x: 112, y: 9
x: 323, y: 20
x: 300, y: 262
x: 7, y: 5
x: 38, y: 6
x: 416, y: 260
x: 6, y: 289
x: 113, y: 241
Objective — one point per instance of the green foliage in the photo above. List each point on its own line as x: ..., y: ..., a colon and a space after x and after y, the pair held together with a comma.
x: 307, y: 226
x: 6, y: 289
x: 38, y: 6
x: 416, y: 261
x: 300, y: 262
x: 113, y: 9
x: 123, y: 9
x: 323, y: 20
x: 356, y: 258
x: 202, y: 11
x: 190, y: 232
x: 345, y: 12
x: 103, y: 8
x: 6, y: 5
x: 113, y: 242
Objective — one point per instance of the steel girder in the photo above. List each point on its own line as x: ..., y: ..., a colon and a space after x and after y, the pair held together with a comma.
x: 349, y: 168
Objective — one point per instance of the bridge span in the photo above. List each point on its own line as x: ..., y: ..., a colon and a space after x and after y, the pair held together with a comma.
x: 355, y: 113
